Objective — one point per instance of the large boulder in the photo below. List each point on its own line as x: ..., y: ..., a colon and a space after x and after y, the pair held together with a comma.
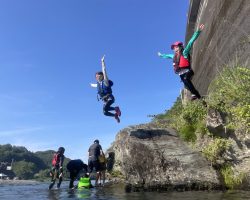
x: 153, y: 158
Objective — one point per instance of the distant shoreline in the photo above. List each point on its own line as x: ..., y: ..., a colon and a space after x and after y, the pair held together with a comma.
x: 18, y: 182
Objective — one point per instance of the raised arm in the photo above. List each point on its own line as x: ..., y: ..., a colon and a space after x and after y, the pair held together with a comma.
x: 106, y: 80
x: 191, y: 41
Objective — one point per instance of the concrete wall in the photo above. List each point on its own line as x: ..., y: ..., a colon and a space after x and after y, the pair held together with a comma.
x: 225, y: 38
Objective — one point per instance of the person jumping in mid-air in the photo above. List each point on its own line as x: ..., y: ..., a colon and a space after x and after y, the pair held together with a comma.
x: 181, y: 62
x: 104, y: 91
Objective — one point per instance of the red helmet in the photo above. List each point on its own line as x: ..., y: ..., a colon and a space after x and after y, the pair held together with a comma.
x: 178, y: 43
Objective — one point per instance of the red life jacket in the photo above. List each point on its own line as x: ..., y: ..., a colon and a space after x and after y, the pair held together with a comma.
x: 180, y: 62
x: 56, y: 159
x: 184, y: 62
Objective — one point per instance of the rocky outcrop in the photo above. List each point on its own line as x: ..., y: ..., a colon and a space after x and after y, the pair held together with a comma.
x: 215, y: 123
x: 152, y: 158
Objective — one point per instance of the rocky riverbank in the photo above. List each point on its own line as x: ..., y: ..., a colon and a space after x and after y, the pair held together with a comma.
x: 18, y: 182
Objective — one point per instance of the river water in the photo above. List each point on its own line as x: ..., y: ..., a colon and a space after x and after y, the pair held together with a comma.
x: 40, y: 191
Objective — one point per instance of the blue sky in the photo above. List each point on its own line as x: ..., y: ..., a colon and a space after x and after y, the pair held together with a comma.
x: 50, y: 51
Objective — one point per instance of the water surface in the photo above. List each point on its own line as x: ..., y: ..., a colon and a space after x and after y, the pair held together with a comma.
x: 40, y: 191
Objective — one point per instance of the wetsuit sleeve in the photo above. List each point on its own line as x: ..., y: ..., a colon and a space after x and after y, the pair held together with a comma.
x: 61, y: 160
x: 167, y: 56
x: 94, y: 85
x: 106, y: 80
x: 190, y: 44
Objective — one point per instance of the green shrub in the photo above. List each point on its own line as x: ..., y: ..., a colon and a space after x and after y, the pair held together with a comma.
x: 201, y: 128
x: 116, y: 173
x: 187, y: 132
x: 230, y: 93
x: 194, y: 112
x: 171, y: 117
x: 189, y: 120
x: 214, y: 150
x: 231, y: 180
x: 184, y: 119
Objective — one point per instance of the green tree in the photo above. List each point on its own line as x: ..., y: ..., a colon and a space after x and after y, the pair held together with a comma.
x: 24, y: 170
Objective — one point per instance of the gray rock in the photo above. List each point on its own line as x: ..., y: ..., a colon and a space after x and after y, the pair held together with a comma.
x: 152, y: 158
x: 215, y: 123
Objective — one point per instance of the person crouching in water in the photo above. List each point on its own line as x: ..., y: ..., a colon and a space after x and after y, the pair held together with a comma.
x: 74, y: 167
x: 181, y: 62
x: 85, y: 182
x: 105, y: 93
x: 57, y: 168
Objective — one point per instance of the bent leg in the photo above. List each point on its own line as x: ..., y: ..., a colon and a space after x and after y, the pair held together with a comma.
x: 53, y: 178
x: 72, y: 179
x: 52, y: 183
x: 60, y: 181
x: 107, y: 107
x: 189, y: 85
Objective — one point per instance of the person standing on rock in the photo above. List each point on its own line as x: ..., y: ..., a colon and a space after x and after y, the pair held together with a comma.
x: 181, y: 62
x: 57, y: 168
x: 104, y: 91
x: 95, y: 150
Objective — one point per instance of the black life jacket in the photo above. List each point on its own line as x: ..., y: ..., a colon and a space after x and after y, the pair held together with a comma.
x: 180, y: 62
x: 104, y: 90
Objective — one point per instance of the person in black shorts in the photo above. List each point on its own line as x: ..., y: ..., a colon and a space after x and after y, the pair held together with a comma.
x: 95, y: 150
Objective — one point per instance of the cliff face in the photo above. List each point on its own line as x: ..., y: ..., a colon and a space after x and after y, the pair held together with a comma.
x: 150, y: 157
x: 224, y: 40
x: 156, y: 158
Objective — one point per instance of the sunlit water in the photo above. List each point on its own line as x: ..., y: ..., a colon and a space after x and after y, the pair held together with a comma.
x: 40, y: 191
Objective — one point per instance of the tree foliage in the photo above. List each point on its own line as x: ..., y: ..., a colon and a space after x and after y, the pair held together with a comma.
x: 24, y: 170
x: 26, y: 164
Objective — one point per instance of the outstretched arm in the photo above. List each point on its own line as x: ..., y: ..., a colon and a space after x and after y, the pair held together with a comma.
x: 191, y: 41
x: 94, y: 85
x: 106, y: 80
x: 165, y: 55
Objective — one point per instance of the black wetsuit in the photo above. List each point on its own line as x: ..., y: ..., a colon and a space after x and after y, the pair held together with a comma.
x: 74, y: 167
x: 94, y: 153
x: 56, y: 171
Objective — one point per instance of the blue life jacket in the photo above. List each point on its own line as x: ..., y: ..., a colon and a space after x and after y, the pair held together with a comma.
x: 104, y: 90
